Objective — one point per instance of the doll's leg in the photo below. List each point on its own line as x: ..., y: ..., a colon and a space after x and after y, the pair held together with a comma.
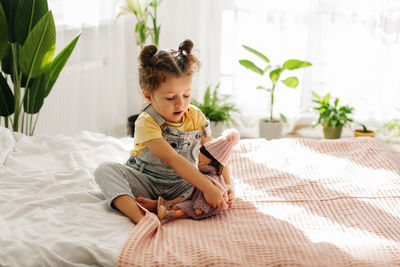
x: 167, y: 214
x: 168, y: 203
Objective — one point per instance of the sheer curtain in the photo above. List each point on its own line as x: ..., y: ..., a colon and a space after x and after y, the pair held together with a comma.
x: 98, y: 88
x: 90, y: 93
x: 354, y: 47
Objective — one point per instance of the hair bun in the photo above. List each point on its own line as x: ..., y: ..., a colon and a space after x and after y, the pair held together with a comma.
x: 186, y: 46
x: 147, y: 54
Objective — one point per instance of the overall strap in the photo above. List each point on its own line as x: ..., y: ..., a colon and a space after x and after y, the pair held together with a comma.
x: 152, y: 112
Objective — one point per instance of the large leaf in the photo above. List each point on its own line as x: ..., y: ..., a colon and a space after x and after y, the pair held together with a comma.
x: 6, y: 62
x: 29, y: 12
x: 292, y: 64
x: 7, y: 66
x: 34, y: 97
x: 3, y: 33
x: 10, y: 8
x: 38, y: 50
x: 255, y: 52
x: 57, y: 65
x: 6, y: 98
x: 251, y: 66
x: 291, y: 82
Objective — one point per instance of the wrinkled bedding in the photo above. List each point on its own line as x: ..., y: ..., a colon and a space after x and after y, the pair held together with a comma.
x: 299, y: 203
x: 52, y: 212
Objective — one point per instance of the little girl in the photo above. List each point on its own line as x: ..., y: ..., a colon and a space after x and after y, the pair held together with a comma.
x: 212, y: 158
x: 168, y: 135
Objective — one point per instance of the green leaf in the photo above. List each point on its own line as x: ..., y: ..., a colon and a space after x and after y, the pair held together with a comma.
x: 207, y: 97
x: 336, y: 102
x: 57, y: 65
x: 261, y: 87
x: 326, y: 98
x: 3, y: 33
x: 7, y: 66
x: 251, y: 66
x: 34, y: 97
x: 38, y: 50
x: 10, y: 8
x: 255, y: 52
x: 6, y: 62
x: 7, y: 104
x: 292, y: 64
x: 275, y: 74
x: 291, y: 82
x: 316, y: 95
x: 29, y: 12
x: 283, y: 118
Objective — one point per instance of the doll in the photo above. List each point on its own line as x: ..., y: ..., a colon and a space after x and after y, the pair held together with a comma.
x: 213, y: 157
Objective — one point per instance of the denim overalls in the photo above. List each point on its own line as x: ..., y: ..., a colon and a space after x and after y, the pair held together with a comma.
x: 146, y: 175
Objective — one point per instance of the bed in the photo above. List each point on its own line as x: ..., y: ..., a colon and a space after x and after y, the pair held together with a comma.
x: 299, y: 202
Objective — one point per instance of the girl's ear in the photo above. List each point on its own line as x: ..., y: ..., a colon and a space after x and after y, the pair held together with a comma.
x: 146, y: 95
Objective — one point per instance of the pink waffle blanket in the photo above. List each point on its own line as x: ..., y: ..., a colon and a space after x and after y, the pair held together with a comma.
x: 298, y: 202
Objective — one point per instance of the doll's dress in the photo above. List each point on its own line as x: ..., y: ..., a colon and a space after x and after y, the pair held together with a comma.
x: 196, y: 198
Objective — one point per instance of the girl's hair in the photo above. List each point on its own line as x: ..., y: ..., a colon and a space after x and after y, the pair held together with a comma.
x: 215, y: 163
x: 155, y: 66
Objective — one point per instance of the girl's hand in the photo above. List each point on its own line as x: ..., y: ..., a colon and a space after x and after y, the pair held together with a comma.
x: 231, y: 194
x: 214, y: 197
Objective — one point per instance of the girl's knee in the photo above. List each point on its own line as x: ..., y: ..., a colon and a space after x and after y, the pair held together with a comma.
x: 103, y: 170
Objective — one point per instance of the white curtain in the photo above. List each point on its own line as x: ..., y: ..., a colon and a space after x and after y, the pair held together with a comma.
x: 353, y: 45
x: 90, y: 93
x: 98, y: 88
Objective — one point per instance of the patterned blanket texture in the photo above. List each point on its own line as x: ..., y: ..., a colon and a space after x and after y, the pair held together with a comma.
x: 299, y: 202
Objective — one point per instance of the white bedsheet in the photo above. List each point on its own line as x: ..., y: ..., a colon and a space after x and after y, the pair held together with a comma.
x: 52, y: 212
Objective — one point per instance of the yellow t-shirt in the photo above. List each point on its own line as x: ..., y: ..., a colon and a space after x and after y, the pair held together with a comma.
x: 146, y: 128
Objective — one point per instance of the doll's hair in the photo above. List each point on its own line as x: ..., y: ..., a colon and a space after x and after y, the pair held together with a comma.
x: 155, y: 66
x: 215, y: 163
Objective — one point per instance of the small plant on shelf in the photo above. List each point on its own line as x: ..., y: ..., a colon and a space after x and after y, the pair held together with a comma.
x: 332, y: 117
x: 363, y: 131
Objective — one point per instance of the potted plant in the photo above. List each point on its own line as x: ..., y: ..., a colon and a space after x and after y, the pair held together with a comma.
x: 217, y: 110
x: 271, y: 127
x: 332, y: 117
x: 364, y: 131
x: 142, y: 9
x: 28, y: 69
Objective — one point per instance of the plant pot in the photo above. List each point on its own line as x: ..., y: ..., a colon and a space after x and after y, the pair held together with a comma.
x: 361, y: 133
x: 217, y: 128
x: 331, y: 132
x: 270, y: 130
x: 131, y: 123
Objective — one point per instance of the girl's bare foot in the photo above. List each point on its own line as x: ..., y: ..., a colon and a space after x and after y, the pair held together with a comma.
x: 149, y: 204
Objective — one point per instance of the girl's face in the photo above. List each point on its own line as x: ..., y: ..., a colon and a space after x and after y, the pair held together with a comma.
x: 172, y: 98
